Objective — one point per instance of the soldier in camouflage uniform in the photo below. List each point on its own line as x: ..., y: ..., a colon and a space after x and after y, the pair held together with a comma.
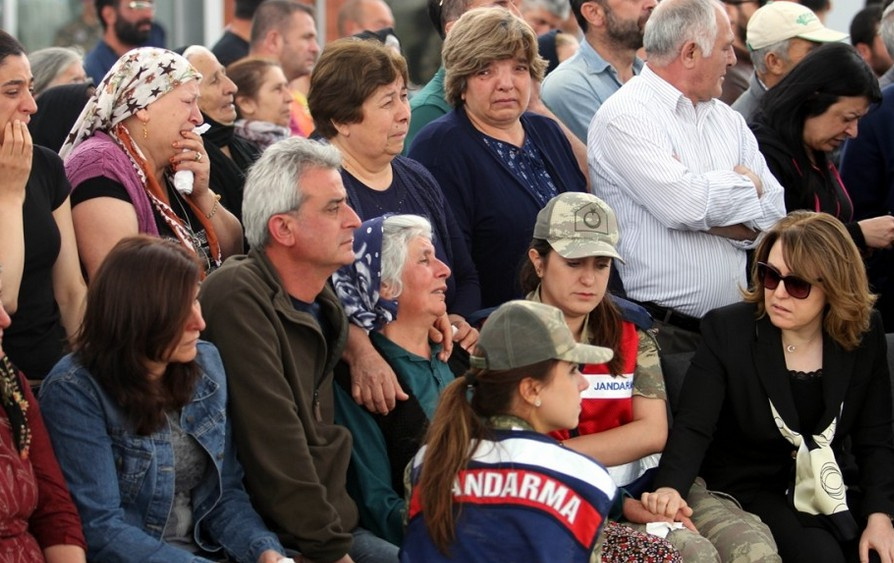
x: 623, y: 421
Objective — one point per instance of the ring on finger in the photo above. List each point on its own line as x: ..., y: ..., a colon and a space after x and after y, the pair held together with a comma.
x: 199, y: 156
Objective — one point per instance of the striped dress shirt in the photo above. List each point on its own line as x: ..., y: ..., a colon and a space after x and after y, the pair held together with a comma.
x: 665, y: 165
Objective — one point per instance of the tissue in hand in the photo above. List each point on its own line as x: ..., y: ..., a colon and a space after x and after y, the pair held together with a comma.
x: 183, y: 179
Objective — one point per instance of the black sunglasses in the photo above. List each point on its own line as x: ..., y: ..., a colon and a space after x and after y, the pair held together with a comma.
x: 794, y: 286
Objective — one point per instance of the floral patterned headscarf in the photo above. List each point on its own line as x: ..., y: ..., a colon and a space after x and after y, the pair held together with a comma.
x: 358, y: 284
x: 140, y: 77
x: 137, y: 79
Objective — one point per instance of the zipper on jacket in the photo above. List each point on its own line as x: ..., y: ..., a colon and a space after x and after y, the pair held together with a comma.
x: 318, y: 413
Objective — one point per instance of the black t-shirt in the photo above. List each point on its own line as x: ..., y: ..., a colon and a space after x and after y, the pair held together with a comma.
x: 36, y: 339
x: 230, y: 48
x: 100, y: 186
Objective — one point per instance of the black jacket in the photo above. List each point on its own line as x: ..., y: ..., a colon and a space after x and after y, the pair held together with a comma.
x: 724, y: 430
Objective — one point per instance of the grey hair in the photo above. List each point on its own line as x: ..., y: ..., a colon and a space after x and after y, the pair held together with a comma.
x: 675, y: 22
x: 558, y: 8
x: 194, y: 50
x: 46, y: 64
x: 759, y: 56
x: 397, y: 232
x: 886, y: 29
x: 273, y: 184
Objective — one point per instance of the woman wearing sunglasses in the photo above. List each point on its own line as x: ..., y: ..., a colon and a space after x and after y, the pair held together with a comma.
x: 780, y: 383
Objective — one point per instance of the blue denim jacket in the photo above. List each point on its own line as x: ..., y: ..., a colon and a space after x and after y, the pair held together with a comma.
x: 123, y: 483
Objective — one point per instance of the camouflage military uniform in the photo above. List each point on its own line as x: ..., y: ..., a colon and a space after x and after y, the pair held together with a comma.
x: 648, y: 382
x: 738, y: 536
x: 727, y: 533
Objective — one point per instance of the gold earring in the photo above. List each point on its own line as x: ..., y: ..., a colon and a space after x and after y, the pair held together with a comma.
x: 145, y: 132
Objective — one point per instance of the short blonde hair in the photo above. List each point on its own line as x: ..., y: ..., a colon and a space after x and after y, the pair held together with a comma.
x: 817, y: 248
x: 480, y: 37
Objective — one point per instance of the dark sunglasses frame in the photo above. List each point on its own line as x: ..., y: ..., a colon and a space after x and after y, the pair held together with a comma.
x: 799, y: 288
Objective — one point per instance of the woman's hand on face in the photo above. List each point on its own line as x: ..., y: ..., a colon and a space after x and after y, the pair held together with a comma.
x: 191, y: 156
x: 879, y: 536
x: 15, y: 161
x: 463, y: 333
x: 666, y: 501
x: 878, y: 232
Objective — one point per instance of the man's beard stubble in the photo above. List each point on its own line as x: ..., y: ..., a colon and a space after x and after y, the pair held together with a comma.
x: 129, y: 33
x: 628, y: 34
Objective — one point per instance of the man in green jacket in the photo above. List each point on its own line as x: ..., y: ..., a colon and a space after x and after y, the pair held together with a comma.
x: 280, y: 330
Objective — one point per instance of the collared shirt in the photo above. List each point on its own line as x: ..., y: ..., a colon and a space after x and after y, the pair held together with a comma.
x: 426, y: 377
x: 665, y: 165
x: 578, y: 86
x: 750, y: 100
x: 382, y: 446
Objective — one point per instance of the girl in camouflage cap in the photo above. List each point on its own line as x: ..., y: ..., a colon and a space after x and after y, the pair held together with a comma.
x: 623, y: 420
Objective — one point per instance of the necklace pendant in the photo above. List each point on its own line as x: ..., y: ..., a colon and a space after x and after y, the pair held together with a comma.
x: 791, y: 348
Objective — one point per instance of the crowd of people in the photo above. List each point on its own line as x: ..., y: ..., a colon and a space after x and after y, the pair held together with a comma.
x: 264, y: 301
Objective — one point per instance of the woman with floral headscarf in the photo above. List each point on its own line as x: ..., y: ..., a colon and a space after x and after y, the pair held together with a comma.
x: 395, y: 289
x: 133, y: 135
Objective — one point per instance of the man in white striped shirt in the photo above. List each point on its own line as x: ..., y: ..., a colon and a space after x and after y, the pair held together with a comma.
x: 682, y: 172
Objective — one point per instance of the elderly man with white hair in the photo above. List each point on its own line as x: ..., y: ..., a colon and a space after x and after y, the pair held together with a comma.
x: 683, y: 171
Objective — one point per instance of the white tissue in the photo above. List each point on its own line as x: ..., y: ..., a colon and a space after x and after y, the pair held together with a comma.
x: 183, y: 179
x: 662, y: 529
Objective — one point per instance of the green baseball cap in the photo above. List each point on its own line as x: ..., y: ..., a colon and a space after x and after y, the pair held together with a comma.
x: 578, y: 225
x: 522, y: 333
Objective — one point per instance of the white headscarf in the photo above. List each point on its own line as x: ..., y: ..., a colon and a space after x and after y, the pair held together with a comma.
x: 137, y: 79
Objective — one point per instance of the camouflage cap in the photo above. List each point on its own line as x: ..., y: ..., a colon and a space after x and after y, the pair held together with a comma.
x: 578, y: 225
x: 523, y: 333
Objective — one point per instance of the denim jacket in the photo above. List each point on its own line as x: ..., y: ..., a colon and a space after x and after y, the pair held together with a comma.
x: 123, y: 483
